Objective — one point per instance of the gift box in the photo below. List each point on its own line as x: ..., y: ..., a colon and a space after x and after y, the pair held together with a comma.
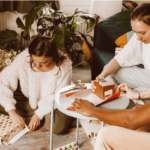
x: 71, y: 146
x: 8, y: 130
x: 105, y: 88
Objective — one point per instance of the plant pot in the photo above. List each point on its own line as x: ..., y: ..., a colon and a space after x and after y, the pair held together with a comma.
x: 82, y: 59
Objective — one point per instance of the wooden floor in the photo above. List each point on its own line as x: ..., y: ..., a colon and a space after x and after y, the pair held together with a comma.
x: 40, y: 140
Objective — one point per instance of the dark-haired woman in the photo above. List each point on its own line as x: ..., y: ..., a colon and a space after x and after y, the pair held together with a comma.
x: 41, y: 70
x: 130, y: 130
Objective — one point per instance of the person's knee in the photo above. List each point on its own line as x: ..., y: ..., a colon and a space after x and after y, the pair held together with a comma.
x: 60, y: 122
x: 61, y: 127
x: 104, y: 132
x: 107, y: 132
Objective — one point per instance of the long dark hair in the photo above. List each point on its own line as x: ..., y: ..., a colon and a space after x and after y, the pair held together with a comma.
x: 142, y: 13
x: 45, y: 46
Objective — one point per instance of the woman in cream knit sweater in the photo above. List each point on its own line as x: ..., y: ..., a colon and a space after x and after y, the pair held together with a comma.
x: 41, y: 71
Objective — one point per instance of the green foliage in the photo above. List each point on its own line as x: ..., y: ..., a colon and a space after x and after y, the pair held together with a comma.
x: 8, y: 39
x: 56, y: 24
x: 34, y: 14
x: 20, y: 23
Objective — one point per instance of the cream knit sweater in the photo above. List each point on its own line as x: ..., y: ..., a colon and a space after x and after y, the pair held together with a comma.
x: 39, y: 87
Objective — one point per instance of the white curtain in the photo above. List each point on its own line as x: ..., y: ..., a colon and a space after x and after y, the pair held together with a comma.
x: 105, y: 8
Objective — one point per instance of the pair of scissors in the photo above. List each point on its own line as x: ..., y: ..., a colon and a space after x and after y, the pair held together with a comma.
x: 78, y: 86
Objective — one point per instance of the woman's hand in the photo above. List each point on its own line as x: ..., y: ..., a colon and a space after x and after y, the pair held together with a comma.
x: 131, y: 94
x: 97, y: 80
x: 83, y: 107
x: 34, y: 122
x: 20, y: 121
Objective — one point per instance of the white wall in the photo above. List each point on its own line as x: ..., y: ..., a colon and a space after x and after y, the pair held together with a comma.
x: 105, y: 8
x: 140, y: 2
x: 8, y: 21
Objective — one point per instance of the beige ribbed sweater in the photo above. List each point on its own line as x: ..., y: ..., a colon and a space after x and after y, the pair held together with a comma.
x: 39, y: 87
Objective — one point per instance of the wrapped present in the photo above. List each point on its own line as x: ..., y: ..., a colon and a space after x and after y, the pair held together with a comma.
x: 71, y: 146
x: 105, y: 88
x: 6, y: 57
x: 8, y: 130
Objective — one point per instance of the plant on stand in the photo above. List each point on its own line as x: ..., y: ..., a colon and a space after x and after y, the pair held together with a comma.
x: 60, y: 26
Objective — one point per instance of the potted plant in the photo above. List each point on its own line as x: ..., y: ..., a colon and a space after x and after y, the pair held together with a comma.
x: 60, y: 26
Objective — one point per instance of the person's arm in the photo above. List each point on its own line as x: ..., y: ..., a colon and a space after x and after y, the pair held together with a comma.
x: 131, y: 94
x: 17, y: 118
x: 131, y: 119
x: 110, y: 68
x: 8, y: 84
x: 144, y: 95
x: 130, y: 55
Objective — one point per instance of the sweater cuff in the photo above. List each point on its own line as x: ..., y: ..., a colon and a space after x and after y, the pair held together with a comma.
x: 40, y: 113
x: 9, y: 107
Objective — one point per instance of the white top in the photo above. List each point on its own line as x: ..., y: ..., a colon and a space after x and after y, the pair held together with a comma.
x: 38, y: 86
x: 135, y: 52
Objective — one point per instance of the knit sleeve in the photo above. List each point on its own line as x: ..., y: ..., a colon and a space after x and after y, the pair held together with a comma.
x: 8, y: 83
x: 44, y: 106
x: 131, y: 54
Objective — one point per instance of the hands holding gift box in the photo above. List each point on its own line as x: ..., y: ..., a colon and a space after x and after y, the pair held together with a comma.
x: 105, y: 90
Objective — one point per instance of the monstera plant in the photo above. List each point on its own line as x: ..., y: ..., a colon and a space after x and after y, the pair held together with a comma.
x: 60, y: 26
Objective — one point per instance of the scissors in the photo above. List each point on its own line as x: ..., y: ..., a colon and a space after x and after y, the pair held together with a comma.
x: 79, y: 86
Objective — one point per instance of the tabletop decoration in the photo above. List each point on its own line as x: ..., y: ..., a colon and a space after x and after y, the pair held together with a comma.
x: 71, y: 146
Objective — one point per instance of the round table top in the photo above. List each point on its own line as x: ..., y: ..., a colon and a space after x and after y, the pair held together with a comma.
x: 118, y: 103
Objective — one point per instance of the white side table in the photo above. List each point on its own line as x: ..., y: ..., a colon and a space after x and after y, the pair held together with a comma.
x: 119, y: 103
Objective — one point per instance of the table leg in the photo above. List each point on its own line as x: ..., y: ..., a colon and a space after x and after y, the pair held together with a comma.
x: 102, y: 124
x: 51, y: 127
x: 77, y: 131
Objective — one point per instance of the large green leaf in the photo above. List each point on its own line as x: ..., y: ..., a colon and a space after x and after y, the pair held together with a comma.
x: 62, y: 36
x: 42, y: 30
x: 59, y: 12
x: 43, y: 19
x: 90, y: 20
x: 90, y: 25
x: 74, y: 25
x: 8, y: 38
x: 85, y: 38
x: 80, y: 10
x: 92, y: 38
x: 68, y: 18
x: 80, y: 22
x: 8, y: 34
x: 20, y: 23
x: 9, y: 46
x: 57, y: 20
x: 33, y: 15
